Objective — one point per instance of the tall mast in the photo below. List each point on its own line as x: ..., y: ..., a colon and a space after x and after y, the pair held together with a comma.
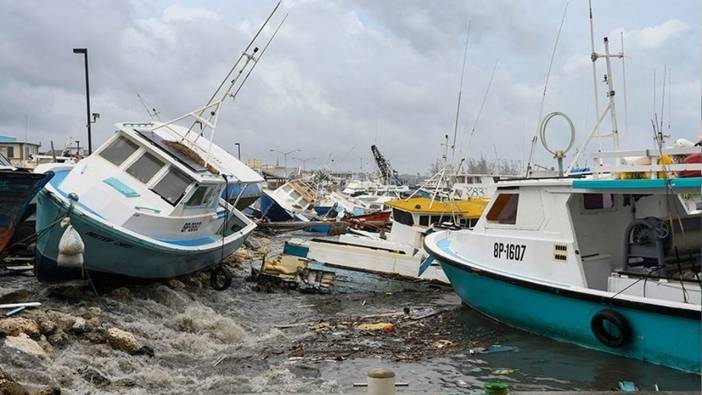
x: 460, y: 92
x: 593, y: 57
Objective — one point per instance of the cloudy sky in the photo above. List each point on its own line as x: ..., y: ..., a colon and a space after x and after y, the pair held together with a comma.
x: 342, y: 75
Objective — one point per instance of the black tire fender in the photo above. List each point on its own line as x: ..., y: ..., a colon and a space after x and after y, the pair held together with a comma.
x: 597, y: 324
x: 220, y: 278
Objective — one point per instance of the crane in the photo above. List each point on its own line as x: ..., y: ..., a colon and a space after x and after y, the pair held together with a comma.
x: 388, y: 175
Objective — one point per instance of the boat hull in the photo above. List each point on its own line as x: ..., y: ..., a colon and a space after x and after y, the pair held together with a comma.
x: 17, y: 189
x: 110, y: 251
x: 658, y: 336
x: 272, y: 210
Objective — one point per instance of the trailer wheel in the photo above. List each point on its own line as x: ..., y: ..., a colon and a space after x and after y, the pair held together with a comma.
x: 220, y: 278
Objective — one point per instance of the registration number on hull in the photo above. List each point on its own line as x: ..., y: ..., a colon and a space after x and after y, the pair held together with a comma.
x: 509, y: 251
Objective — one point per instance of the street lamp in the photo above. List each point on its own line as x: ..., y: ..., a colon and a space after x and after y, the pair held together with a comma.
x: 84, y: 51
x: 304, y: 161
x: 238, y: 149
x: 285, y: 156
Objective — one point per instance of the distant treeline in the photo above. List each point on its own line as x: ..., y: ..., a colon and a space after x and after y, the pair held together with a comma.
x: 485, y: 166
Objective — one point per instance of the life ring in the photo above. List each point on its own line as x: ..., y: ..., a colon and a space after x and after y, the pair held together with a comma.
x: 604, y: 335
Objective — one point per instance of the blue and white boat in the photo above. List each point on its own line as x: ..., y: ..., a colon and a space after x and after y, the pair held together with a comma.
x: 148, y: 202
x: 143, y: 206
x: 609, y: 261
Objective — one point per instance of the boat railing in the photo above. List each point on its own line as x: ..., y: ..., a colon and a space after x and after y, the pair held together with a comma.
x: 656, y: 163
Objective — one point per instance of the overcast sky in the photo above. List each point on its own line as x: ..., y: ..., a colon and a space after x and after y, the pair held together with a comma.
x: 343, y: 75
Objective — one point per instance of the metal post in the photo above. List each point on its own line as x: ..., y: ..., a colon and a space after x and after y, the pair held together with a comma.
x: 84, y: 51
x: 238, y: 150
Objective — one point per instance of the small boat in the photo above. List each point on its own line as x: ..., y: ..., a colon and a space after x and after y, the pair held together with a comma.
x: 399, y: 252
x: 17, y: 189
x: 292, y: 201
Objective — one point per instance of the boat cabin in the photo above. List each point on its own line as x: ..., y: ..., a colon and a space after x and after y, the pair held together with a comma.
x: 639, y: 237
x: 149, y: 184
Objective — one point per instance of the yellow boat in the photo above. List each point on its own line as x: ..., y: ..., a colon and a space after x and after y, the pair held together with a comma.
x: 424, y: 211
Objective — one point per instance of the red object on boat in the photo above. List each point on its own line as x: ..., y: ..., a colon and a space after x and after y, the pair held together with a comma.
x: 694, y: 158
x: 380, y: 216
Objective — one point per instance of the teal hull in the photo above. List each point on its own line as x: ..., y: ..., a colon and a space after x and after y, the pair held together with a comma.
x: 666, y: 339
x: 109, y: 251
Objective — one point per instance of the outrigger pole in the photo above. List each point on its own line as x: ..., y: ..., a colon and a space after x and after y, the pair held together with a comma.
x: 249, y: 57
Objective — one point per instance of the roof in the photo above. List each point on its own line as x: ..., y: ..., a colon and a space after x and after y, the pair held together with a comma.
x: 638, y: 184
x: 471, y: 208
x: 13, y: 140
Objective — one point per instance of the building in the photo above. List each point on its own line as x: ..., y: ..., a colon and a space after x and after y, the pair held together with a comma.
x: 20, y: 153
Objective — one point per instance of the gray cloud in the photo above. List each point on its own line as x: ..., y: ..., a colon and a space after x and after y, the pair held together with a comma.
x: 341, y: 75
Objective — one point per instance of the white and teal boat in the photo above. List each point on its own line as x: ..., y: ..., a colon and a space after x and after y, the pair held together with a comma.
x: 608, y: 261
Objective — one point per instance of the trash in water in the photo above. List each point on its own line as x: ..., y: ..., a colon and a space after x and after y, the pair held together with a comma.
x: 628, y: 386
x: 493, y: 349
x: 378, y: 326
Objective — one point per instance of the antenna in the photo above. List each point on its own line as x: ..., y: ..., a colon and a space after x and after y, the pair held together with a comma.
x: 626, y: 106
x: 665, y: 72
x: 543, y: 96
x: 670, y: 93
x: 460, y: 92
x: 593, y: 57
x: 482, y: 105
x: 152, y: 113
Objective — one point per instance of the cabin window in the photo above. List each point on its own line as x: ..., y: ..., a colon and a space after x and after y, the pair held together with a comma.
x: 10, y: 152
x: 424, y: 220
x: 598, y: 201
x: 504, y: 209
x: 172, y: 186
x: 402, y: 217
x: 201, y: 197
x: 145, y: 167
x: 120, y: 149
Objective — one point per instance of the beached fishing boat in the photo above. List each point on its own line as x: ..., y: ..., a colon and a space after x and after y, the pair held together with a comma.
x: 148, y: 202
x: 399, y: 252
x: 17, y: 189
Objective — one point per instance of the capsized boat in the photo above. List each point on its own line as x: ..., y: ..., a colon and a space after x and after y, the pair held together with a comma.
x: 399, y: 252
x: 17, y: 189
x: 148, y: 203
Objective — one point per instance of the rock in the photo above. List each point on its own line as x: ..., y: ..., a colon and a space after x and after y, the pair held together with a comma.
x: 123, y: 340
x: 94, y: 376
x: 58, y: 338
x: 47, y: 326
x: 16, y: 325
x: 146, y: 350
x: 44, y: 343
x: 8, y: 385
x: 93, y: 324
x: 26, y: 345
x: 175, y: 284
x: 122, y: 294
x: 69, y: 291
x: 96, y: 337
x: 49, y: 390
x: 63, y: 321
x: 20, y: 295
x: 79, y: 326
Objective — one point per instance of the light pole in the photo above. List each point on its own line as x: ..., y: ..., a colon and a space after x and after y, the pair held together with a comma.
x: 304, y: 161
x: 285, y: 156
x: 84, y: 51
x: 238, y: 150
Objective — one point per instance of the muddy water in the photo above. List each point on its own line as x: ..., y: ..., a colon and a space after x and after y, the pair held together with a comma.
x: 231, y: 342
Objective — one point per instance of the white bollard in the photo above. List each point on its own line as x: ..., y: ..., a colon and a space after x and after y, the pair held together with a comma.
x: 70, y: 247
x: 381, y: 381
